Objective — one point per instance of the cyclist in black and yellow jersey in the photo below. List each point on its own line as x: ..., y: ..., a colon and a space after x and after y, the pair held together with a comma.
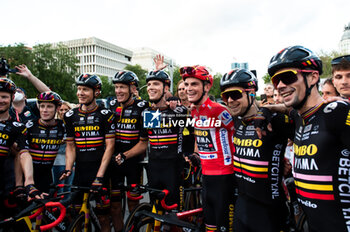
x: 128, y: 112
x: 90, y: 139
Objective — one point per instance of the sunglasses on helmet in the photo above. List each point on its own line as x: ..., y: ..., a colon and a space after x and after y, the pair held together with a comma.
x: 234, y: 94
x: 188, y: 70
x: 288, y: 76
x: 339, y: 59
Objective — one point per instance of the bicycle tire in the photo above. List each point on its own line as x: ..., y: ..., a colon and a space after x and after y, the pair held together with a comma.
x: 132, y: 220
x: 192, y: 200
x: 77, y: 224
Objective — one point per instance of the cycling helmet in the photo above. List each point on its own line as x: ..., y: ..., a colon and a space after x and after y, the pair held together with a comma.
x: 89, y: 80
x: 6, y: 85
x: 239, y: 77
x: 160, y: 76
x: 295, y: 57
x: 49, y: 96
x: 126, y: 77
x: 197, y: 71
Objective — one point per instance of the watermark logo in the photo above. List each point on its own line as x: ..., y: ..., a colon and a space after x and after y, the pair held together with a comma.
x: 151, y: 119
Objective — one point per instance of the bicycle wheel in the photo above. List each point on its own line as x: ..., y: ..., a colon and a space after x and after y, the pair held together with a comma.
x: 78, y: 224
x: 132, y: 220
x: 144, y: 224
x: 192, y: 200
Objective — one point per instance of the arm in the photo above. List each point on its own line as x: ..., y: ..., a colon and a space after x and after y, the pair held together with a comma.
x: 70, y: 158
x: 106, y: 156
x: 27, y: 167
x: 18, y: 170
x: 138, y: 149
x: 38, y: 84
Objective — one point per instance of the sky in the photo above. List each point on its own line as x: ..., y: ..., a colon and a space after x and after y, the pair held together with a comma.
x: 210, y: 33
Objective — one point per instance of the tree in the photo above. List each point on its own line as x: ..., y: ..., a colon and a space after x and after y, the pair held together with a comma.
x: 215, y: 89
x: 326, y: 58
x: 107, y: 88
x: 55, y: 66
x: 266, y: 78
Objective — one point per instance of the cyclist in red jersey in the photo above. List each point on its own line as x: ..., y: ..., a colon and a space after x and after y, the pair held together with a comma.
x: 214, y: 130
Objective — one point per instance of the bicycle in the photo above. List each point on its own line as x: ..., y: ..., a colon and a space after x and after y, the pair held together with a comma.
x: 22, y: 221
x: 86, y: 220
x: 150, y: 217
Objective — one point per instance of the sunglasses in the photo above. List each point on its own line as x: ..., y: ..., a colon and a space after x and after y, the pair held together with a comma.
x: 288, y: 76
x: 234, y: 94
x: 339, y: 59
x: 188, y: 70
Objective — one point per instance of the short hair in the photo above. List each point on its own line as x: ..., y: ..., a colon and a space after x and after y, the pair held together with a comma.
x: 330, y: 82
x: 344, y: 64
x: 177, y: 87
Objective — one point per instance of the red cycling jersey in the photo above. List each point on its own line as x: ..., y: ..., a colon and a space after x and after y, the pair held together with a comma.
x: 214, y: 129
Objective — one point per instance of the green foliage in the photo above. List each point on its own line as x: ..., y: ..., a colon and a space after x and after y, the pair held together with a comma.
x: 326, y: 58
x: 176, y: 78
x: 141, y: 74
x: 55, y: 66
x: 215, y: 89
x: 107, y: 87
x: 266, y: 78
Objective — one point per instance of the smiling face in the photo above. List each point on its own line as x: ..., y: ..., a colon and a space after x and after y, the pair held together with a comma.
x: 237, y: 106
x: 341, y: 81
x: 5, y: 101
x: 294, y: 93
x: 85, y: 94
x: 122, y: 92
x: 194, y: 89
x: 181, y: 91
x: 155, y: 89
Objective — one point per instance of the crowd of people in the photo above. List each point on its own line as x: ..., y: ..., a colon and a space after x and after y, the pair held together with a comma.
x: 241, y: 145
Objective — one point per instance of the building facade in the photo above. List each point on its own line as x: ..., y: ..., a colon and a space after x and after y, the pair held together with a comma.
x: 344, y: 45
x: 144, y: 57
x: 235, y: 65
x: 99, y: 57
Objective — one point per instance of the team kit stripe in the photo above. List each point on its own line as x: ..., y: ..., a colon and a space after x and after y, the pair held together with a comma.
x: 89, y: 142
x: 3, y: 151
x: 318, y: 187
x: 250, y: 168
x: 163, y: 140
x: 162, y: 136
x: 126, y: 135
x: 313, y: 177
x: 255, y: 175
x: 314, y: 195
x: 43, y: 155
x: 254, y: 162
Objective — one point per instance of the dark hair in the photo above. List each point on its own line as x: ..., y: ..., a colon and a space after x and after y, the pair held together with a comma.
x: 344, y: 64
x: 330, y: 82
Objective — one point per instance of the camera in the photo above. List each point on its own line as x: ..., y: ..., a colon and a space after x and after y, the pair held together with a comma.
x: 5, y: 68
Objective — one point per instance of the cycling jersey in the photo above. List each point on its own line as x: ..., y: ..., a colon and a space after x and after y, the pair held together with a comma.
x: 166, y: 141
x: 43, y: 144
x: 10, y: 132
x: 213, y: 135
x: 258, y: 163
x: 322, y: 165
x: 44, y: 141
x: 128, y: 124
x: 89, y: 129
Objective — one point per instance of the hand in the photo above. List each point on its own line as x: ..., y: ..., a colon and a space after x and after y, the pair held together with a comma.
x: 287, y: 167
x: 23, y: 71
x: 193, y: 159
x: 65, y: 174
x: 20, y: 194
x: 262, y: 122
x: 159, y: 62
x: 120, y: 158
x: 336, y: 98
x: 97, y: 185
x: 33, y: 192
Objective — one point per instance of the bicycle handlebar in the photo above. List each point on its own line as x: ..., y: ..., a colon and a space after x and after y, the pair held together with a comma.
x: 34, y: 215
x: 143, y: 189
x: 59, y: 219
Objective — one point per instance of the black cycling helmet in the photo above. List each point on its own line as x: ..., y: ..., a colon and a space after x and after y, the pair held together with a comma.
x: 239, y: 77
x: 51, y: 97
x: 89, y: 80
x: 295, y: 57
x: 160, y: 76
x: 126, y: 77
x: 6, y: 85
